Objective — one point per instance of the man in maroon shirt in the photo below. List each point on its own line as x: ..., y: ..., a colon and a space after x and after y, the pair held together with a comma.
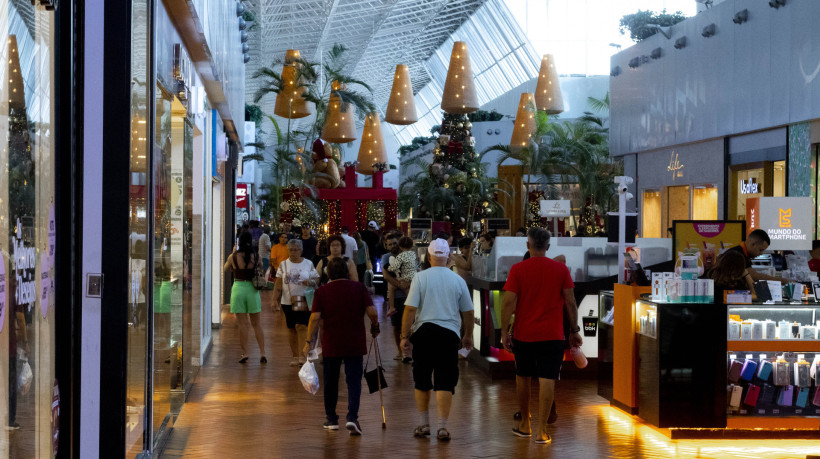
x: 341, y: 305
x: 539, y: 291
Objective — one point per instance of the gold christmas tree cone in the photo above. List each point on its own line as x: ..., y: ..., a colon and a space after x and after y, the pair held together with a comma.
x: 401, y: 108
x: 340, y: 125
x: 459, y: 96
x: 372, y: 149
x: 524, y: 124
x: 289, y: 102
x: 548, y: 90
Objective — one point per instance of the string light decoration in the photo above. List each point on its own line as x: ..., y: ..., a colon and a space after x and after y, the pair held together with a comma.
x: 548, y: 89
x: 524, y: 125
x: 340, y: 125
x: 375, y: 212
x: 290, y: 101
x: 391, y: 210
x: 361, y: 215
x: 401, y: 107
x: 459, y: 96
x: 372, y: 150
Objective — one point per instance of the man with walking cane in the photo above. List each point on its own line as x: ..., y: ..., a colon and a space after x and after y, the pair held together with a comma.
x: 341, y: 305
x: 436, y: 306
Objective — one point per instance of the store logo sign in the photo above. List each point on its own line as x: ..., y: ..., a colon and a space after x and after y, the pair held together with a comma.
x: 749, y: 187
x: 24, y: 263
x: 785, y: 218
x: 675, y: 166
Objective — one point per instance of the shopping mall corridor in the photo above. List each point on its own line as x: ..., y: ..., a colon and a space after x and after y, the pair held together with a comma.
x: 257, y: 410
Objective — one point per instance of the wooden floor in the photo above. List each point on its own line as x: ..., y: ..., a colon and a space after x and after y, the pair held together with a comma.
x: 256, y: 410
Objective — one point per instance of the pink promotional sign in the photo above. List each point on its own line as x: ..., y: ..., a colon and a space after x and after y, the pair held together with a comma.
x: 2, y: 291
x: 710, y: 229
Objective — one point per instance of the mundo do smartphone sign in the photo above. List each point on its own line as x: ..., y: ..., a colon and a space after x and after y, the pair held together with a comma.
x: 788, y: 222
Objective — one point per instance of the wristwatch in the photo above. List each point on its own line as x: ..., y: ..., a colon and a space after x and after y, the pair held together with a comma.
x: 575, y: 330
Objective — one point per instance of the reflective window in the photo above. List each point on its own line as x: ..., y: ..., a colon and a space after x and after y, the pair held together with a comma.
x: 27, y: 231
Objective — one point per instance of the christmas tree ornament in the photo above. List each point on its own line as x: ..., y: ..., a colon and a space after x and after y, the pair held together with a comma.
x: 290, y: 101
x: 401, y: 107
x: 459, y: 95
x: 372, y: 150
x: 524, y: 125
x: 444, y: 139
x: 340, y: 125
x: 460, y: 125
x: 547, y: 89
x: 468, y: 125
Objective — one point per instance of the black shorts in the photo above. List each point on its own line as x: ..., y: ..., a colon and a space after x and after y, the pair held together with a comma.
x: 540, y: 359
x: 435, y: 355
x: 395, y: 319
x: 294, y: 318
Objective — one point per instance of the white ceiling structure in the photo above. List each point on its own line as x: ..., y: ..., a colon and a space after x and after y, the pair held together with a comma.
x: 380, y: 34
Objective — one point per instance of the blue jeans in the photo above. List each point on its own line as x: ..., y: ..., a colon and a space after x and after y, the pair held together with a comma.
x: 353, y: 378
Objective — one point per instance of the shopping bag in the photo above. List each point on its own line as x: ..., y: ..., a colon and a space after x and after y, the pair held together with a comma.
x: 368, y: 281
x: 24, y: 378
x: 309, y: 377
x: 309, y: 293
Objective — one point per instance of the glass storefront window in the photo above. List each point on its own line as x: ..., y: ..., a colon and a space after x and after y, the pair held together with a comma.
x: 704, y: 202
x: 746, y: 183
x: 651, y: 214
x: 27, y: 231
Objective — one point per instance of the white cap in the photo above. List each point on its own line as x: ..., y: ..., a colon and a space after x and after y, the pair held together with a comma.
x: 373, y: 224
x: 439, y: 248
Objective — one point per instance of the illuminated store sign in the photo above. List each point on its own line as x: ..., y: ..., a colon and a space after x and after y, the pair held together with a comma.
x: 675, y: 166
x: 788, y: 222
x: 749, y: 186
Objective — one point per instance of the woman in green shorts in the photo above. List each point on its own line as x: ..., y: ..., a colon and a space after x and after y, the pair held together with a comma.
x: 245, y: 300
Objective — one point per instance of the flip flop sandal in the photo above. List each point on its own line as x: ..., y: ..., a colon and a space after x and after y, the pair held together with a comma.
x: 519, y: 433
x: 422, y: 431
x: 546, y: 439
x: 443, y: 435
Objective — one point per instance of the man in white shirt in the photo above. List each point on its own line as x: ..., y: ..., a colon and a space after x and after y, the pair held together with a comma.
x: 350, y: 244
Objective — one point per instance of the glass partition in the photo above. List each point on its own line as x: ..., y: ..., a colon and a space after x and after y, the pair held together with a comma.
x: 27, y: 230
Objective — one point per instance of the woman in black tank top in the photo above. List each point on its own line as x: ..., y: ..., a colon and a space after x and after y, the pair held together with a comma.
x: 246, y: 303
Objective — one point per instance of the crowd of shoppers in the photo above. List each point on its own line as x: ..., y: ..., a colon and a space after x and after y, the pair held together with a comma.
x: 318, y: 285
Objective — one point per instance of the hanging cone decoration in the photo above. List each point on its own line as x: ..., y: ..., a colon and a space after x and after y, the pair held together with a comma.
x: 524, y: 124
x: 548, y: 90
x: 372, y: 149
x: 340, y: 127
x: 289, y: 102
x: 459, y: 96
x: 401, y: 108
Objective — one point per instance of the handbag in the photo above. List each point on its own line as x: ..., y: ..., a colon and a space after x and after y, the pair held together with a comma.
x: 260, y: 282
x: 297, y: 303
x: 368, y: 281
x: 375, y: 377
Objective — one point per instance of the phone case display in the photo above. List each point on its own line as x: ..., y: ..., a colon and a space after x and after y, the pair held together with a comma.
x: 773, y: 384
x: 770, y: 322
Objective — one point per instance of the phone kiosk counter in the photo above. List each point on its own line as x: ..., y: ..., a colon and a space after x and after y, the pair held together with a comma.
x: 711, y: 370
x: 487, y: 348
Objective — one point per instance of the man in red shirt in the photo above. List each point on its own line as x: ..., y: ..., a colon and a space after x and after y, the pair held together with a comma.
x: 539, y: 291
x: 341, y: 305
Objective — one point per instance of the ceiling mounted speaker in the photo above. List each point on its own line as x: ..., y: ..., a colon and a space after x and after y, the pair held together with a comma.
x: 524, y: 125
x: 459, y: 95
x: 340, y: 125
x: 372, y: 149
x: 290, y: 102
x: 401, y: 107
x: 548, y: 88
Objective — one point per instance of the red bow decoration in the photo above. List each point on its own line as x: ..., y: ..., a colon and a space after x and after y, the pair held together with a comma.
x: 455, y: 148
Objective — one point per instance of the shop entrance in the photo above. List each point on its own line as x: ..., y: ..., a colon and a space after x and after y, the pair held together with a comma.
x: 677, y: 204
x: 754, y: 180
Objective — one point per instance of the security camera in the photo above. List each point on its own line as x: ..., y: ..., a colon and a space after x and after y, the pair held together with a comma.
x: 622, y: 189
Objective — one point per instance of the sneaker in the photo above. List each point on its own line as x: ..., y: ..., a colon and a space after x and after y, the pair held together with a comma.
x: 294, y: 361
x: 543, y: 439
x: 407, y: 360
x: 243, y: 358
x: 354, y: 427
x: 331, y: 425
x: 422, y: 431
x: 553, y: 414
x: 13, y: 426
x: 443, y: 434
x: 263, y: 359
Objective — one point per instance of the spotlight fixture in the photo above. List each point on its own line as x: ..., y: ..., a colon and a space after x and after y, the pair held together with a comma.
x: 240, y: 8
x: 656, y: 53
x: 777, y: 3
x: 242, y: 24
x: 489, y: 132
x: 615, y: 71
x: 635, y: 62
x: 244, y: 36
x: 709, y: 30
x: 497, y: 131
x: 741, y: 16
x: 245, y: 58
x: 680, y: 43
x: 245, y: 48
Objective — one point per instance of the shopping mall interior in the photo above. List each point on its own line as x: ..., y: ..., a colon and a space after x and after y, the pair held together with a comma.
x: 554, y: 228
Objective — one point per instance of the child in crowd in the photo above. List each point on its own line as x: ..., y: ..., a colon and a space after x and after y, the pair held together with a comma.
x: 402, y: 266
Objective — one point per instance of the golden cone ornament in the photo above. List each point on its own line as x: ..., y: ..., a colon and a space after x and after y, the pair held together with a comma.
x: 340, y: 125
x: 372, y: 149
x: 548, y: 89
x: 524, y: 124
x: 290, y: 102
x: 401, y: 108
x: 459, y: 89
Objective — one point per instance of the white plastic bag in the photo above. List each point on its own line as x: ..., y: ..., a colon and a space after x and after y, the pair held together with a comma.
x: 309, y: 377
x: 24, y: 378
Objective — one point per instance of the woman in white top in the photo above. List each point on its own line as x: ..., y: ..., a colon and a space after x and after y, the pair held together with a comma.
x: 293, y: 277
x: 264, y: 248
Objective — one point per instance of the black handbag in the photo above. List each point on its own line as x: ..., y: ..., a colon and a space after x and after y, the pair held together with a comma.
x: 376, y: 375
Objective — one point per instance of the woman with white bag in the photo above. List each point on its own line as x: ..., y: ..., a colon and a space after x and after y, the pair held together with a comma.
x: 293, y: 277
